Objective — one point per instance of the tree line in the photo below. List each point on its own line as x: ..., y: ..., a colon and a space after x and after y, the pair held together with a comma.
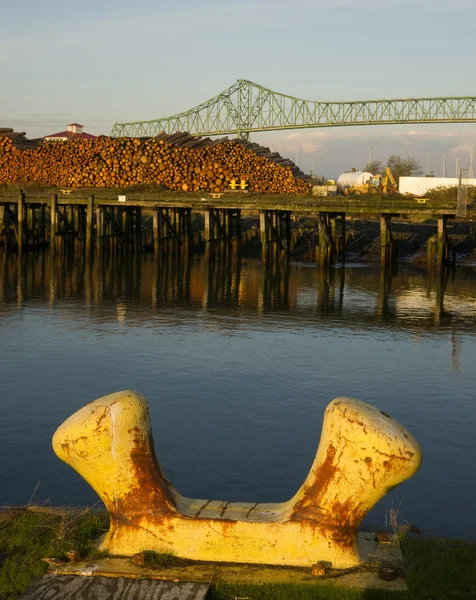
x: 400, y: 166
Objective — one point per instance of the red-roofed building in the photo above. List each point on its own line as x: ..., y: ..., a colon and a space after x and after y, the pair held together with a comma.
x: 74, y: 132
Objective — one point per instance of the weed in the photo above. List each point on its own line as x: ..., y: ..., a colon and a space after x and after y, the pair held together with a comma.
x: 30, y: 533
x: 159, y: 560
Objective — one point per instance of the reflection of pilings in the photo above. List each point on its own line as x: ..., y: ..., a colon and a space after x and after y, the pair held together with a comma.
x: 387, y: 272
x: 325, y: 288
x: 441, y: 281
x: 276, y: 284
x: 172, y: 279
x: 456, y: 351
x: 275, y: 233
x: 224, y: 276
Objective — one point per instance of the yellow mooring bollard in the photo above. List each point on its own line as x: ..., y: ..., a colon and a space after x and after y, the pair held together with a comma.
x: 363, y: 453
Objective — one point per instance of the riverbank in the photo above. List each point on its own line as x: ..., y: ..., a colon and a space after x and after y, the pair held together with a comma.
x: 436, y: 568
x: 363, y: 240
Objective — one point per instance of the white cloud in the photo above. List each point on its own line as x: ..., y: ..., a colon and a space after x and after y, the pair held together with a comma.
x: 462, y: 149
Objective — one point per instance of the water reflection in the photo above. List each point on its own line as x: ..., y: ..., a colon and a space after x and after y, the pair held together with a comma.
x: 243, y: 356
x: 400, y: 297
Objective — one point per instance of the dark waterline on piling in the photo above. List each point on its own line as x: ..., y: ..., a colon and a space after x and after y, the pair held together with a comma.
x: 238, y: 362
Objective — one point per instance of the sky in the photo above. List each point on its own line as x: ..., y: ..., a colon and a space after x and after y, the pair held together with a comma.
x: 98, y: 62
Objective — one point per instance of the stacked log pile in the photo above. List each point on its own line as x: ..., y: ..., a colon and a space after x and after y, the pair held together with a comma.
x: 18, y: 139
x: 176, y: 162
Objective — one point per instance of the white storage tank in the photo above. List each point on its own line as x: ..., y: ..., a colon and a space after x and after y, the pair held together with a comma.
x: 348, y: 180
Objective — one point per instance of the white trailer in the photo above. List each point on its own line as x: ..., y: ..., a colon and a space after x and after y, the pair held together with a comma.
x: 419, y: 186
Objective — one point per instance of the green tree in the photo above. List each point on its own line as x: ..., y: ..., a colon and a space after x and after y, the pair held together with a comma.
x: 404, y: 167
x: 375, y: 167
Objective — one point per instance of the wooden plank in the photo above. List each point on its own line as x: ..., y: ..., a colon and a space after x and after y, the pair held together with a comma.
x: 70, y: 587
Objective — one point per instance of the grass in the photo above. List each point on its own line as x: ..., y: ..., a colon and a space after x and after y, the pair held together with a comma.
x: 288, y: 591
x: 28, y: 534
x: 159, y: 560
x: 437, y: 568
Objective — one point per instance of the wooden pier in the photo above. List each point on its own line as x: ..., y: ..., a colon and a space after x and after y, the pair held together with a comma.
x: 129, y: 221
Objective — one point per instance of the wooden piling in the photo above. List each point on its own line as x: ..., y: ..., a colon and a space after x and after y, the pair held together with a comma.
x: 138, y: 228
x: 208, y: 230
x: 155, y: 229
x: 386, y: 249
x: 99, y: 227
x: 442, y: 241
x: 42, y: 225
x: 343, y: 238
x: 20, y: 220
x: 89, y: 223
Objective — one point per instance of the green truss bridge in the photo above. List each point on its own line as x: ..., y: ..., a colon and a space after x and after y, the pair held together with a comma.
x: 247, y: 107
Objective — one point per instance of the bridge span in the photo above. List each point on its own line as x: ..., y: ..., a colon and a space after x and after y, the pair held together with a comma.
x: 247, y: 107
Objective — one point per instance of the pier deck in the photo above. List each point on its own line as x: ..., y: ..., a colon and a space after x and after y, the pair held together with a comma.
x: 99, y: 216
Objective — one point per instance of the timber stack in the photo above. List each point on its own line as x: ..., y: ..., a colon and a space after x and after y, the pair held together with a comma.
x: 18, y: 140
x: 177, y: 162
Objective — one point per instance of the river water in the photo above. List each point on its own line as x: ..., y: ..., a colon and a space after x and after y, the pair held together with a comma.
x: 238, y: 362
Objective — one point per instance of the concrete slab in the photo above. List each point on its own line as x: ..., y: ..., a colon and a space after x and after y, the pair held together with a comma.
x: 71, y: 587
x: 362, y: 577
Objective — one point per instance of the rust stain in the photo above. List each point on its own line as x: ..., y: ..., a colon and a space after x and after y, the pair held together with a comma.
x: 103, y: 416
x: 251, y: 509
x: 307, y: 507
x: 343, y: 521
x: 223, y: 510
x: 100, y: 420
x: 368, y: 462
x: 150, y: 493
x: 202, y: 508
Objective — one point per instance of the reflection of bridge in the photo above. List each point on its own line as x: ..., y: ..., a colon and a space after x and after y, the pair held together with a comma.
x: 247, y: 107
x: 359, y: 299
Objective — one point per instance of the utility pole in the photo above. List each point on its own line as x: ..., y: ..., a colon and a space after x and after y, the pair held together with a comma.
x: 444, y: 165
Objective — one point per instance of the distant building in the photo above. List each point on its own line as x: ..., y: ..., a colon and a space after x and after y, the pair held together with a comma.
x: 74, y: 132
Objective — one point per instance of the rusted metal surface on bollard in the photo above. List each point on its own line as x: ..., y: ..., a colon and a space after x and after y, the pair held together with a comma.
x: 362, y: 454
